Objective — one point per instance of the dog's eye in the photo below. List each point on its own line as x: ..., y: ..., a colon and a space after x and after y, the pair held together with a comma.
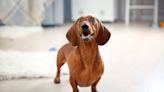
x: 80, y: 19
x: 92, y: 20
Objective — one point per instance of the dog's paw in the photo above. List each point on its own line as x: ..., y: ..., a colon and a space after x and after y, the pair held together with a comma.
x: 57, y: 81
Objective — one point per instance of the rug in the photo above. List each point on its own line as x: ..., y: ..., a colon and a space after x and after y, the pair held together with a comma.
x: 16, y: 64
x: 14, y: 32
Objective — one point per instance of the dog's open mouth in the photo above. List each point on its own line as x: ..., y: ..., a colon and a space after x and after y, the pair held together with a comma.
x: 87, y: 36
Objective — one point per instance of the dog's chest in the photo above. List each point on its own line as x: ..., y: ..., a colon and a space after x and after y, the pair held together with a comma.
x: 87, y: 77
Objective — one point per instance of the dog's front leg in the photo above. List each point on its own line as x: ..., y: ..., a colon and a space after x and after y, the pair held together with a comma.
x: 94, y: 85
x: 73, y: 84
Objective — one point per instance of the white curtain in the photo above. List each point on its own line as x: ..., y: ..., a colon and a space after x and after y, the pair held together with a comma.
x: 23, y: 12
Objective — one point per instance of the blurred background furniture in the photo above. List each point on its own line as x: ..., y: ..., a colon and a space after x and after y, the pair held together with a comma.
x: 130, y: 7
x: 105, y: 10
x: 54, y: 14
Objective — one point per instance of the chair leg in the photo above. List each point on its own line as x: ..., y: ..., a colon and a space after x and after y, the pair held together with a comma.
x: 127, y: 12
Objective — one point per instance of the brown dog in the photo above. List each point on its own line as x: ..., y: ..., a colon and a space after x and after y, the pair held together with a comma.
x: 82, y: 54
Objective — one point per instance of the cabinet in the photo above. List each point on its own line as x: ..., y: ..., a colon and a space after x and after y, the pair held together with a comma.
x: 104, y: 10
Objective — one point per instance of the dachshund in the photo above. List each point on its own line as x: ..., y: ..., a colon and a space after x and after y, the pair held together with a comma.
x: 82, y: 53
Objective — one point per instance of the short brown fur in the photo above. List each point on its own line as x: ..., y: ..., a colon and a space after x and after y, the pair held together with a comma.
x: 83, y: 57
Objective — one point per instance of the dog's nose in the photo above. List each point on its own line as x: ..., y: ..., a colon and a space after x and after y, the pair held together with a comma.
x: 84, y: 27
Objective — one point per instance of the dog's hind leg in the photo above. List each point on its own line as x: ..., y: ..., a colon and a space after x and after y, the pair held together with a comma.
x: 60, y: 61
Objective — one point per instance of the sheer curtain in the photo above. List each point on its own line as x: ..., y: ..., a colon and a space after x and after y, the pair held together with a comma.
x: 23, y: 12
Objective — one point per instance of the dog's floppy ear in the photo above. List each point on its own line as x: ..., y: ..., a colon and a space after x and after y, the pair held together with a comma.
x: 72, y: 36
x: 103, y: 34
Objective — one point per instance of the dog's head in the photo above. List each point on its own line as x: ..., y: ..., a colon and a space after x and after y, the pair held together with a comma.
x: 88, y: 28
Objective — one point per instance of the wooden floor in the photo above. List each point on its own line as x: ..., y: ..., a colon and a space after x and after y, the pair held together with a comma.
x: 133, y: 58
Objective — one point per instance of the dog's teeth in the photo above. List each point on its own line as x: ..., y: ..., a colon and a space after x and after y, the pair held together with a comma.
x: 86, y: 38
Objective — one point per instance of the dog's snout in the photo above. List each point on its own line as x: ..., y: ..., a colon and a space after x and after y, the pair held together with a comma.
x: 84, y: 26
